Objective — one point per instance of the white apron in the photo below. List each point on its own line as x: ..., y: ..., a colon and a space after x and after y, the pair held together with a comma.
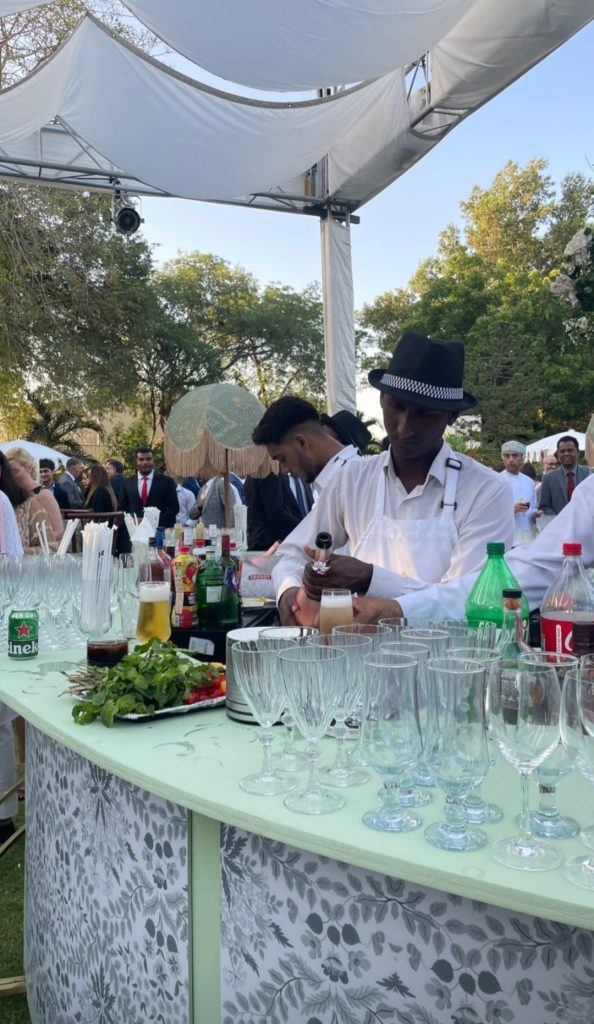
x: 418, y: 548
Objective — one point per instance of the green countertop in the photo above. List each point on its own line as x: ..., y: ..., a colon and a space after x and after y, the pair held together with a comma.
x: 197, y: 760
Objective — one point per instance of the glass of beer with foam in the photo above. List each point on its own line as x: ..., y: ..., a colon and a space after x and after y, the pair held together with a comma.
x: 153, y: 612
x: 336, y: 609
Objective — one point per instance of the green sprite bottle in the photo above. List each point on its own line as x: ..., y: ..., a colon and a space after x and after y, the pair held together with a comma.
x: 485, y: 601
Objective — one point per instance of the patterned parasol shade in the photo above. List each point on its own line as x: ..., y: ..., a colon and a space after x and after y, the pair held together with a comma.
x: 209, y: 433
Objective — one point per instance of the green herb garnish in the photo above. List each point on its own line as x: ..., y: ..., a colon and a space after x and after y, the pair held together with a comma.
x: 150, y: 678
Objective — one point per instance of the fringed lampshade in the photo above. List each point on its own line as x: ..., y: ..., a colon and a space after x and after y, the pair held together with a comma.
x: 209, y: 433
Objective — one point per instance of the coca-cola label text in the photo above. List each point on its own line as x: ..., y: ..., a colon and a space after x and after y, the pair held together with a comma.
x: 556, y: 635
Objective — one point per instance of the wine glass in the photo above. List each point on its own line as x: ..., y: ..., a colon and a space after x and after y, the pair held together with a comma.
x: 459, y: 757
x: 397, y: 623
x: 577, y: 737
x: 547, y: 821
x: 341, y: 772
x: 289, y: 759
x: 393, y: 741
x: 314, y: 680
x: 256, y: 673
x: 523, y: 716
x: 421, y: 774
x: 463, y: 635
x: 336, y: 609
x: 476, y: 810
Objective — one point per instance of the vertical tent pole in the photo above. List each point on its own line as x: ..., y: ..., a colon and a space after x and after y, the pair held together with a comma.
x: 339, y: 314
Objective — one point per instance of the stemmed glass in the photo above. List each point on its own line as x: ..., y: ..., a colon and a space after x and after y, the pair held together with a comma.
x: 577, y: 736
x: 435, y: 639
x: 393, y: 740
x: 547, y: 821
x: 376, y: 634
x: 54, y: 575
x: 314, y: 679
x: 459, y: 758
x: 421, y: 775
x: 289, y: 759
x: 256, y: 672
x: 396, y: 624
x: 341, y: 772
x: 476, y: 810
x: 523, y: 716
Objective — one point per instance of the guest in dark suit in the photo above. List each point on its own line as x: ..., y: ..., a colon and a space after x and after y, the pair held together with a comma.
x: 100, y: 496
x: 68, y: 481
x: 274, y: 508
x: 46, y: 479
x: 559, y: 485
x: 115, y: 471
x: 147, y: 488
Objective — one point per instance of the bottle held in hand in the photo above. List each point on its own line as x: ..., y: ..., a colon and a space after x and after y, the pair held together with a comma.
x: 323, y: 546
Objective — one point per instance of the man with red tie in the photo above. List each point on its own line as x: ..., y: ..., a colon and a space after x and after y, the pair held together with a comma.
x: 558, y: 486
x: 147, y: 488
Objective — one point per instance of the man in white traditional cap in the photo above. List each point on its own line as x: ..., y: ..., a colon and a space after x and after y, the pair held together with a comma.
x: 513, y: 454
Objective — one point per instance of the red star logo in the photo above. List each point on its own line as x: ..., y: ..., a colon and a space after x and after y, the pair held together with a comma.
x: 23, y: 629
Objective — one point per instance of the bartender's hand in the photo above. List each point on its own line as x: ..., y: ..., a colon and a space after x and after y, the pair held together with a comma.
x: 344, y: 572
x: 369, y: 609
x: 295, y: 608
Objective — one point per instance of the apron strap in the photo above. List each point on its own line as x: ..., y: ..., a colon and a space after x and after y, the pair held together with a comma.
x: 448, y: 502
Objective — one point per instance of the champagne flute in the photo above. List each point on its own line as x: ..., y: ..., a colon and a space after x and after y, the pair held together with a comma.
x: 577, y: 737
x: 341, y: 772
x: 314, y: 682
x: 393, y: 740
x: 476, y: 810
x: 289, y: 759
x: 459, y: 757
x: 421, y: 775
x: 547, y: 822
x: 376, y: 634
x: 336, y: 609
x: 523, y: 716
x: 256, y: 672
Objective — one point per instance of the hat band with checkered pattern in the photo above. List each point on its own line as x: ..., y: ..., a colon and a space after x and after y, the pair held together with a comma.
x: 418, y: 387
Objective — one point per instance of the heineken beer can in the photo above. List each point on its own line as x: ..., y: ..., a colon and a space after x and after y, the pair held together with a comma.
x: 23, y: 634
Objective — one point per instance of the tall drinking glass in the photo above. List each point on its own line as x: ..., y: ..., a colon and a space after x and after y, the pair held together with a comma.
x: 523, y: 716
x: 341, y: 772
x: 460, y: 758
x: 314, y: 679
x: 153, y: 612
x: 336, y: 609
x: 577, y: 736
x: 256, y: 672
x: 393, y: 740
x: 396, y: 624
x: 547, y: 821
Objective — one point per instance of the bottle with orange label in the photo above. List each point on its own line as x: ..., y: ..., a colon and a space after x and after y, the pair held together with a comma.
x: 184, y: 567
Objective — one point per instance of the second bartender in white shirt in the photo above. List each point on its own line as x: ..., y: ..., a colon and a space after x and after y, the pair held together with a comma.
x: 417, y: 514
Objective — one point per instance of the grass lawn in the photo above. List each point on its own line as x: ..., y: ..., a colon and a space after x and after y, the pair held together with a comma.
x: 13, y: 1009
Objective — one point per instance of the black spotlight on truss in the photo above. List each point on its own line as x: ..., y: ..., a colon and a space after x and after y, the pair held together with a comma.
x: 125, y: 215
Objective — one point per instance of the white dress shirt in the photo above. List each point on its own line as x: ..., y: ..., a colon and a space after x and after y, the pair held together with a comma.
x: 186, y: 499
x: 484, y: 513
x: 523, y: 489
x: 149, y: 481
x: 534, y: 565
x: 336, y: 462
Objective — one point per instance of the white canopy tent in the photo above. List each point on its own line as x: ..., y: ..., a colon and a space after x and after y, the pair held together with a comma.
x: 548, y: 445
x: 100, y: 114
x: 36, y: 451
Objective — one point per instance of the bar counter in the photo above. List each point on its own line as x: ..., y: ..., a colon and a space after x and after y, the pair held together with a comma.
x: 158, y: 889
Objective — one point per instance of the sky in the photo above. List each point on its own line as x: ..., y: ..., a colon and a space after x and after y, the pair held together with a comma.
x: 547, y: 113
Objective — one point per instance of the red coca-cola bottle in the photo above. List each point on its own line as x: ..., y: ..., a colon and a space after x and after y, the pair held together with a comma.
x: 570, y: 599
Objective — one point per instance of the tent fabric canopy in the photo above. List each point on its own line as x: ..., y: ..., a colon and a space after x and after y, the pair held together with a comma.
x: 548, y: 445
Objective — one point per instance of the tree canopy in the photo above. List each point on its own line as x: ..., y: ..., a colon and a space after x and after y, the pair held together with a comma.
x: 529, y: 359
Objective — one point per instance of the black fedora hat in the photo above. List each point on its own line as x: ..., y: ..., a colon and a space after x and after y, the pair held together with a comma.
x: 348, y: 429
x: 427, y: 372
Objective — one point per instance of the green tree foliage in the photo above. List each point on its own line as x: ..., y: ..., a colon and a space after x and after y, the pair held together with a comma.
x: 58, y: 426
x: 528, y: 359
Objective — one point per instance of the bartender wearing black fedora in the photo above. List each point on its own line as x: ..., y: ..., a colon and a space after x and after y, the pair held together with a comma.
x: 419, y: 513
